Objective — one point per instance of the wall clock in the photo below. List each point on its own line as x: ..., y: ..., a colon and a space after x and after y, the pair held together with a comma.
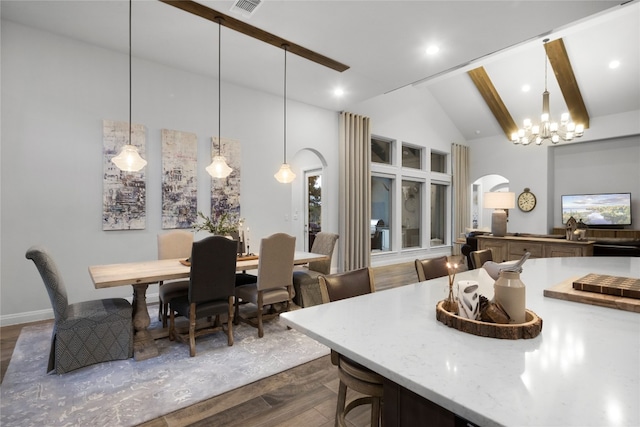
x: 526, y: 201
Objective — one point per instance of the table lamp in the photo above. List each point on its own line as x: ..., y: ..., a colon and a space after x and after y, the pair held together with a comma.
x: 499, y: 201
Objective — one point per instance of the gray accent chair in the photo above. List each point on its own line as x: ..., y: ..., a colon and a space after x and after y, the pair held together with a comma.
x: 274, y: 281
x: 85, y: 332
x: 305, y: 279
x: 211, y: 290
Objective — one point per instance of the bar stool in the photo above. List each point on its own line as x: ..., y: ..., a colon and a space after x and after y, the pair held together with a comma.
x: 352, y: 374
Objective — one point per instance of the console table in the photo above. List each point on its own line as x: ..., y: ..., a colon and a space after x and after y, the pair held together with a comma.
x: 510, y: 248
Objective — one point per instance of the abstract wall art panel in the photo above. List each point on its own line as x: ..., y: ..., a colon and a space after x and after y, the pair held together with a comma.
x: 124, y: 194
x: 179, y: 179
x: 225, y: 192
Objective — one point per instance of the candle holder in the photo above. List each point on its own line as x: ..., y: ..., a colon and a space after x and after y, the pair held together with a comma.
x: 450, y: 303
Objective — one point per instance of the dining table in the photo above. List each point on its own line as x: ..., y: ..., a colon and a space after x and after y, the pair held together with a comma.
x: 141, y: 274
x: 582, y: 369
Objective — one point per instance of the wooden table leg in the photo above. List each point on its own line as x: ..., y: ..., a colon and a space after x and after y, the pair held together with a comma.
x: 144, y: 347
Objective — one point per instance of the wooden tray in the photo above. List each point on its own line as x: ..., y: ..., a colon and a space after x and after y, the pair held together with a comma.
x: 529, y: 329
x: 240, y: 258
x: 564, y: 290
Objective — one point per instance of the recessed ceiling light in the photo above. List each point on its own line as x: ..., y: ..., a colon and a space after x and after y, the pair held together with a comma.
x: 526, y: 88
x: 338, y: 92
x: 432, y: 50
x: 614, y: 64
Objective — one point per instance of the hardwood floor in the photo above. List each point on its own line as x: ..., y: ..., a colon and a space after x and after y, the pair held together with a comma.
x: 302, y: 396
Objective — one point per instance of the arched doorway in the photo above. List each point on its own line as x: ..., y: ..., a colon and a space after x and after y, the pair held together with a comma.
x: 480, y: 217
x: 309, y: 195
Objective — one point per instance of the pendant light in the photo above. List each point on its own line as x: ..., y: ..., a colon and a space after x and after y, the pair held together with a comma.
x: 218, y: 167
x: 129, y: 160
x: 285, y: 175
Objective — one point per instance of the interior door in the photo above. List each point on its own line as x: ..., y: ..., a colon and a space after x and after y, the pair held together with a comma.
x: 313, y: 206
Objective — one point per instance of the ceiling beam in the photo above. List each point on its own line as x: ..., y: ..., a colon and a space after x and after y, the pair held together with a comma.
x: 251, y: 31
x: 482, y: 81
x: 559, y: 60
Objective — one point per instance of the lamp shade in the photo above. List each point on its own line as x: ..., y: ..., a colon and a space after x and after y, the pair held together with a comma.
x: 219, y: 168
x: 129, y: 159
x: 285, y: 175
x: 499, y: 200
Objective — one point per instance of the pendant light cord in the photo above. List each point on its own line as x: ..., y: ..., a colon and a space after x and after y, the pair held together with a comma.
x: 130, y: 74
x: 219, y: 84
x: 285, y: 102
x: 546, y: 60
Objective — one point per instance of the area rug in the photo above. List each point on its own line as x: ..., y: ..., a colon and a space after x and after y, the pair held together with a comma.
x: 126, y: 392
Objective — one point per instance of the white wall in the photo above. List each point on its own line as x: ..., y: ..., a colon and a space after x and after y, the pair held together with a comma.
x: 56, y: 92
x: 550, y: 171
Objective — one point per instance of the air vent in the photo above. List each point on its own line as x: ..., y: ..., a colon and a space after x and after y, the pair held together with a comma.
x: 246, y: 7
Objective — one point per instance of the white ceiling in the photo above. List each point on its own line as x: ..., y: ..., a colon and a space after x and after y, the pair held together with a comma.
x: 383, y: 42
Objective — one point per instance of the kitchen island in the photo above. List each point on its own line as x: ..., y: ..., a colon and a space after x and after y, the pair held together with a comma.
x: 582, y: 370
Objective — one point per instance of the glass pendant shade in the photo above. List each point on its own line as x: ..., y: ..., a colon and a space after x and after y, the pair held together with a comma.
x: 219, y: 168
x: 129, y: 160
x: 285, y: 175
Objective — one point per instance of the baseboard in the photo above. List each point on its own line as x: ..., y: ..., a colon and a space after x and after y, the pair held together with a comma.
x: 26, y: 317
x: 47, y: 314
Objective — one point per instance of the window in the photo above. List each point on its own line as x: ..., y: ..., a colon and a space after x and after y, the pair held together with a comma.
x: 410, y: 197
x: 438, y: 162
x: 438, y: 214
x: 381, y: 208
x: 411, y: 214
x: 411, y: 157
x: 381, y: 150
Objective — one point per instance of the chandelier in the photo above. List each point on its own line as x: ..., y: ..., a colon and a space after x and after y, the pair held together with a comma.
x: 566, y: 130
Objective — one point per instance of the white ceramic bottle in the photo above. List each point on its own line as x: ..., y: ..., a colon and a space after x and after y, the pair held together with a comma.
x: 509, y: 292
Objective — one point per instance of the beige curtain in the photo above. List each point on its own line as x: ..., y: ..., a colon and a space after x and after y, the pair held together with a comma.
x: 355, y: 191
x: 460, y: 180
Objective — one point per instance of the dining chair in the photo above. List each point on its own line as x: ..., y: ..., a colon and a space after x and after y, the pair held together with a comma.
x: 211, y: 290
x: 478, y: 258
x: 274, y: 282
x: 431, y: 268
x: 171, y: 245
x: 305, y: 279
x: 353, y: 375
x: 87, y: 332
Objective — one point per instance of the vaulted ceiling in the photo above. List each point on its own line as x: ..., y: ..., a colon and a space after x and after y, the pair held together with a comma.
x: 383, y: 45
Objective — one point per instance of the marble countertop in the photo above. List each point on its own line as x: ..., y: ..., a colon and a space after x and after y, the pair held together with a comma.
x: 582, y: 370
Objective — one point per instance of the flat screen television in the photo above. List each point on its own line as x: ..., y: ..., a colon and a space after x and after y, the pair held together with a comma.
x: 604, y: 209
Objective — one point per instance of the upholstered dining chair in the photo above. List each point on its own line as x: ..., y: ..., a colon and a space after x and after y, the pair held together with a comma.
x: 173, y: 244
x: 87, y: 332
x: 305, y: 279
x: 478, y: 258
x: 211, y: 290
x: 352, y: 374
x: 431, y: 268
x: 274, y: 281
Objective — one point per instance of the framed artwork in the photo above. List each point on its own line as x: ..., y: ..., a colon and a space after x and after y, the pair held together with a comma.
x: 124, y: 194
x: 179, y: 179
